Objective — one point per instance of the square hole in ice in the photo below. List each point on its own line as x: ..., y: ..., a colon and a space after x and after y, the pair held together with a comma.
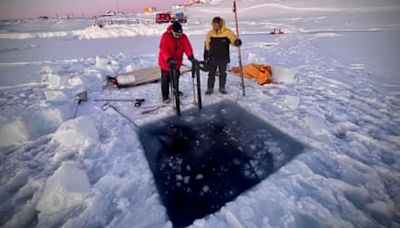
x: 204, y: 159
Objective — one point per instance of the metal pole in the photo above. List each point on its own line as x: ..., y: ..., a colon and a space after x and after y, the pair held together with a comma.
x: 198, y: 85
x: 127, y: 100
x: 239, y: 52
x: 193, y: 75
x: 76, y: 110
x: 106, y: 105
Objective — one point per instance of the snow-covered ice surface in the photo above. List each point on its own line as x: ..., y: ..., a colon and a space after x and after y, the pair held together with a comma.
x: 343, y: 103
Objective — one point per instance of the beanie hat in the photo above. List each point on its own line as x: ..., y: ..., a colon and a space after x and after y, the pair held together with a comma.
x: 176, y: 27
x: 216, y: 20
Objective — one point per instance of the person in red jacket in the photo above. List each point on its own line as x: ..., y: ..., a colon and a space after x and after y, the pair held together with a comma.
x: 173, y: 44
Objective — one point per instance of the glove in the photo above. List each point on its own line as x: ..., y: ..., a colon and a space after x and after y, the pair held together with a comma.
x: 203, y: 66
x: 171, y: 63
x: 237, y: 42
x: 192, y: 59
x: 206, y: 55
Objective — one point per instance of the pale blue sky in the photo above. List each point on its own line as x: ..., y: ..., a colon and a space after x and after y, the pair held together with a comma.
x: 33, y: 8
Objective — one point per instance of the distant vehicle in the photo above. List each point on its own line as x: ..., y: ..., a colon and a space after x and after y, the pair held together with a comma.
x: 276, y: 32
x: 168, y: 17
x: 163, y: 18
x: 180, y: 17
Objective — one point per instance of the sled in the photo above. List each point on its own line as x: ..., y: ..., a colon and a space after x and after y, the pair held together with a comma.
x: 139, y: 77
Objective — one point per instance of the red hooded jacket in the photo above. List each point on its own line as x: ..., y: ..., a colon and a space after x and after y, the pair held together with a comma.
x: 173, y: 47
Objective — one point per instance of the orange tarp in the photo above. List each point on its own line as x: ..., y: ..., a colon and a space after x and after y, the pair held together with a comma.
x: 262, y: 73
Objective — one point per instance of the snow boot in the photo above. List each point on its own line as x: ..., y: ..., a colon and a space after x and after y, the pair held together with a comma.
x: 166, y: 100
x: 180, y: 93
x: 223, y: 91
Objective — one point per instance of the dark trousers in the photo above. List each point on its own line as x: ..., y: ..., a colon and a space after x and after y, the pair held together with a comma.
x: 165, y: 83
x: 221, y: 66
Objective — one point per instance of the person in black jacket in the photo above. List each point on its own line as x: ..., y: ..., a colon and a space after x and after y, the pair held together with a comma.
x: 216, y: 53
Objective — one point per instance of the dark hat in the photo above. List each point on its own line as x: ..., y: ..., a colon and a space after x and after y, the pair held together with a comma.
x: 216, y: 20
x: 177, y: 27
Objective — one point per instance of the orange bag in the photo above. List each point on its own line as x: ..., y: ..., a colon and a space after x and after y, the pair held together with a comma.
x: 262, y: 73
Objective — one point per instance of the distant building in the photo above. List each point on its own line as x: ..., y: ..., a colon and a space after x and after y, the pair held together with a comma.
x: 178, y: 6
x: 43, y: 18
x: 149, y: 9
x: 192, y: 2
x: 188, y: 3
x: 113, y: 13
